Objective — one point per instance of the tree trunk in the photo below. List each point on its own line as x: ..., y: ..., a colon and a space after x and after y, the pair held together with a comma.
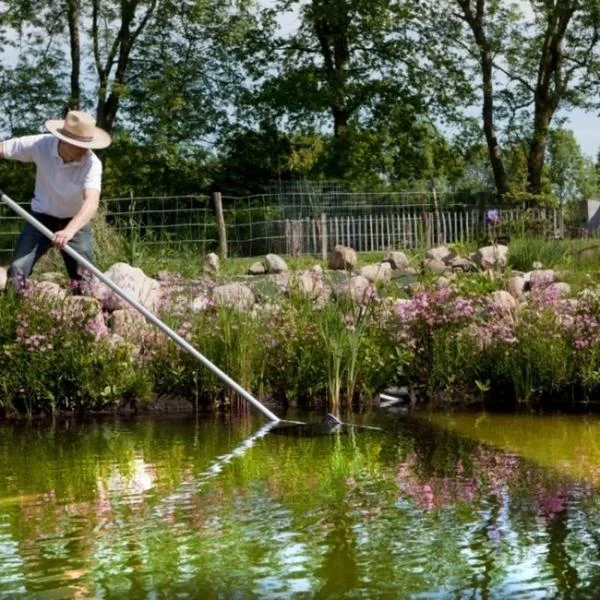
x: 550, y: 88
x: 494, y: 151
x: 73, y: 16
x: 475, y: 20
x: 331, y: 22
x: 537, y: 148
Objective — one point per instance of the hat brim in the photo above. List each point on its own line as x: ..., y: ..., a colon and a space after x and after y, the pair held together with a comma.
x: 101, y: 139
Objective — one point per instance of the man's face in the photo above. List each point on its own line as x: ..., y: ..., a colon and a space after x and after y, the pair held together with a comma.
x: 69, y: 153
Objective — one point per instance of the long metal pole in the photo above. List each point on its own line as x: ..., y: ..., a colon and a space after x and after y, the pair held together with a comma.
x: 142, y: 309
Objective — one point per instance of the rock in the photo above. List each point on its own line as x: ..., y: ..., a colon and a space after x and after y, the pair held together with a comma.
x: 541, y: 278
x: 505, y: 303
x: 397, y: 260
x: 256, y: 268
x: 281, y: 280
x: 358, y: 288
x: 133, y: 281
x: 440, y: 253
x: 275, y: 264
x: 127, y: 323
x: 49, y: 290
x: 461, y: 264
x: 201, y: 303
x: 435, y: 266
x: 53, y: 276
x: 310, y: 283
x: 343, y: 258
x: 516, y: 286
x: 491, y: 257
x: 212, y: 265
x: 379, y: 272
x: 235, y: 295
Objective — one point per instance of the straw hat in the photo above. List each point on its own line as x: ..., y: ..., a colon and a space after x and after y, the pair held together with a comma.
x: 79, y: 129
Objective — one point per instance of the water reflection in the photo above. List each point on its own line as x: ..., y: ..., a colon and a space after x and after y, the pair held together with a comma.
x: 144, y: 509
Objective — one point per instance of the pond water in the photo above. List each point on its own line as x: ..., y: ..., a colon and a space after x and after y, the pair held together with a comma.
x: 434, y: 506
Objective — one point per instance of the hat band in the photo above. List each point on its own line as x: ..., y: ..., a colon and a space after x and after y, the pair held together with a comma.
x: 74, y: 136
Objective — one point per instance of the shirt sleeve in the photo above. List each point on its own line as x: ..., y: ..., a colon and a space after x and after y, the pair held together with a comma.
x: 22, y: 149
x: 93, y: 178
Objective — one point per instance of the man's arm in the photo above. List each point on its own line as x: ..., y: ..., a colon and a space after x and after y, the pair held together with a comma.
x: 91, y: 201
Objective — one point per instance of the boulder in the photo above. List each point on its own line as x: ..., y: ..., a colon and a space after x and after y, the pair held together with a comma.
x: 506, y: 304
x: 50, y: 291
x: 235, y: 295
x: 212, y: 265
x: 541, y: 278
x: 256, y: 268
x: 275, y: 264
x: 561, y: 288
x: 516, y: 286
x: 127, y: 323
x: 435, y: 266
x: 440, y: 254
x: 343, y: 258
x: 461, y: 264
x: 310, y: 283
x: 397, y: 260
x: 379, y: 272
x: 134, y: 281
x: 357, y: 288
x: 491, y: 257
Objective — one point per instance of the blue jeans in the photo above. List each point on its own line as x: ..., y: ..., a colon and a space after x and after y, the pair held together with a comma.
x: 32, y: 245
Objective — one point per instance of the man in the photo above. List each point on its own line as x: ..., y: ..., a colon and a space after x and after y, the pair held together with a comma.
x: 67, y: 190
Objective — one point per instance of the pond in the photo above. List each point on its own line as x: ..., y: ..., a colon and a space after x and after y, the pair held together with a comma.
x: 434, y: 505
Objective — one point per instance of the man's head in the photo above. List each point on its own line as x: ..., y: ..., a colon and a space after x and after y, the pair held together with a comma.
x: 69, y: 152
x: 78, y: 129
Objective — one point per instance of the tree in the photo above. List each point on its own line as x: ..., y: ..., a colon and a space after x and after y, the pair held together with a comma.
x: 569, y: 172
x: 349, y: 64
x: 532, y: 58
x: 148, y: 54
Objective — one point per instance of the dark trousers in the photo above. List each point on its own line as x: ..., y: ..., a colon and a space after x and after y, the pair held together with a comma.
x: 32, y: 245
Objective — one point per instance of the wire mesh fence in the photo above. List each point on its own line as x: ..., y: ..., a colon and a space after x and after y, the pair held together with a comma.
x: 301, y: 222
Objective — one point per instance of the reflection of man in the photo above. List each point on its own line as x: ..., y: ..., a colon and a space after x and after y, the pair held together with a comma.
x: 67, y: 190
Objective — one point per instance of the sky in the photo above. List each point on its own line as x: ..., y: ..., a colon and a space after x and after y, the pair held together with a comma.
x: 586, y: 127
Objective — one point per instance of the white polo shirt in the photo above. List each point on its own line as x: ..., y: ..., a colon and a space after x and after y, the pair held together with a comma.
x: 59, y: 185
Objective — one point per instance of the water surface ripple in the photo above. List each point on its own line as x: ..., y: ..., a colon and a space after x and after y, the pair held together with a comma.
x: 434, y: 506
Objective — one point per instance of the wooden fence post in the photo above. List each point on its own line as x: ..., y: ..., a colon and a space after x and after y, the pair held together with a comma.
x: 218, y: 202
x: 323, y: 236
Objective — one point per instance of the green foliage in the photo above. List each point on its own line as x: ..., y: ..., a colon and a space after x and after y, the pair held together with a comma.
x: 525, y: 251
x: 59, y: 360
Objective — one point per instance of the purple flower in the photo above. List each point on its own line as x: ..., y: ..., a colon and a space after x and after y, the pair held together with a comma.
x: 492, y: 217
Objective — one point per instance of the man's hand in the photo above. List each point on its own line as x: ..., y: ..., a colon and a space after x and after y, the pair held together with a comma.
x: 63, y: 237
